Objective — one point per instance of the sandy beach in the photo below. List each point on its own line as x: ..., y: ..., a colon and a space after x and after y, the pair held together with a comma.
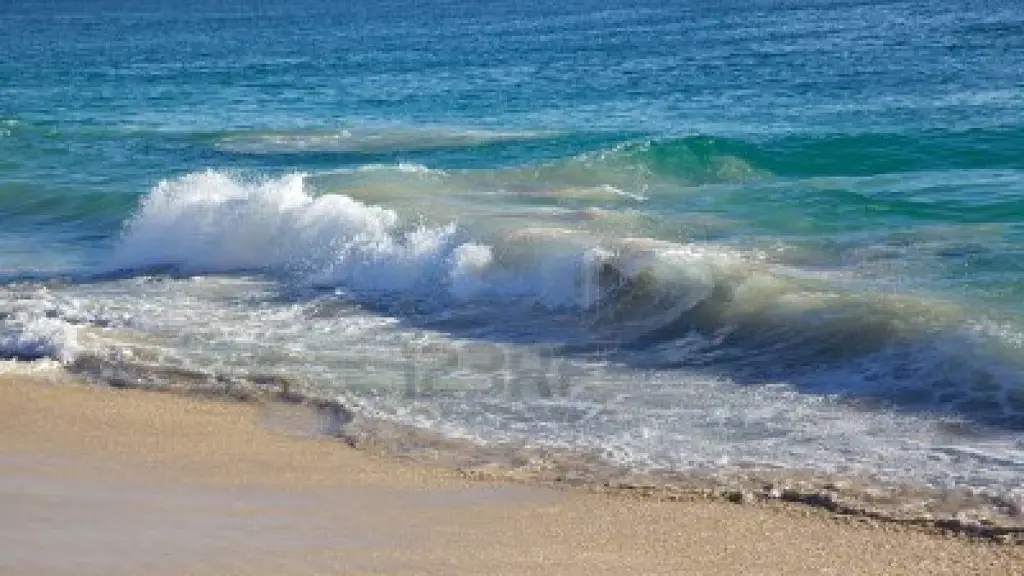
x: 104, y: 481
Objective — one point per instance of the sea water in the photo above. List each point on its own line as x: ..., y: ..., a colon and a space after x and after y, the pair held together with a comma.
x: 676, y: 237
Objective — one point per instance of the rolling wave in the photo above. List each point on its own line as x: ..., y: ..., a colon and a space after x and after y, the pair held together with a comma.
x: 640, y: 301
x: 921, y: 176
x: 868, y: 154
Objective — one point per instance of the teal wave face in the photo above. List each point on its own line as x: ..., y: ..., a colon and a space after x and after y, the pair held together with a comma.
x: 855, y: 155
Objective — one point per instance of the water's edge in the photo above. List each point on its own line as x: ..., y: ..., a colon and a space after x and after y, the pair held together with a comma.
x: 953, y: 513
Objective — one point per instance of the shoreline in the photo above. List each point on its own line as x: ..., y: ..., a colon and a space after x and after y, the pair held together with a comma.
x: 278, y: 498
x: 962, y: 512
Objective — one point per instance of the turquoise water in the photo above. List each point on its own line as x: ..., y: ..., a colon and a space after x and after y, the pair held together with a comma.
x: 698, y: 236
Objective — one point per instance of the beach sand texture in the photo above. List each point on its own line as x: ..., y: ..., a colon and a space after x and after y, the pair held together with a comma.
x: 103, y: 481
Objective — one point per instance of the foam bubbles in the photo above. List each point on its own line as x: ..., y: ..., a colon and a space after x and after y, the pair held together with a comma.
x: 32, y: 334
x: 469, y: 264
x: 212, y: 222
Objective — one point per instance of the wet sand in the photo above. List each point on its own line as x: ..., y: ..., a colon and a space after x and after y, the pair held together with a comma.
x: 112, y: 482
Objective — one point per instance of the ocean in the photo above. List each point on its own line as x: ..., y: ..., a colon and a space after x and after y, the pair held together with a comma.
x: 737, y: 241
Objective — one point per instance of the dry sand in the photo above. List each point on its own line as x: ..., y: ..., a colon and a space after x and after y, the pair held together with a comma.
x: 99, y: 481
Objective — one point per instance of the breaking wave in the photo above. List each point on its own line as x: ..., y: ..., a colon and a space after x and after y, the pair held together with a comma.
x: 639, y: 301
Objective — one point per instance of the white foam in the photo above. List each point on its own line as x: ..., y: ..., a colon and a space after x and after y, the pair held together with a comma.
x: 403, y: 167
x: 1001, y: 330
x: 42, y: 367
x: 469, y: 263
x: 601, y: 192
x: 6, y: 125
x: 28, y: 335
x: 212, y: 222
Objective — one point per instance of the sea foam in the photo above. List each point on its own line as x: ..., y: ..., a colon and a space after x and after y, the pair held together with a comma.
x: 33, y: 331
x: 213, y: 222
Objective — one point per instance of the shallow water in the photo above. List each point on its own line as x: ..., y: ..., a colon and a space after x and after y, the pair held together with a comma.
x: 747, y: 236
